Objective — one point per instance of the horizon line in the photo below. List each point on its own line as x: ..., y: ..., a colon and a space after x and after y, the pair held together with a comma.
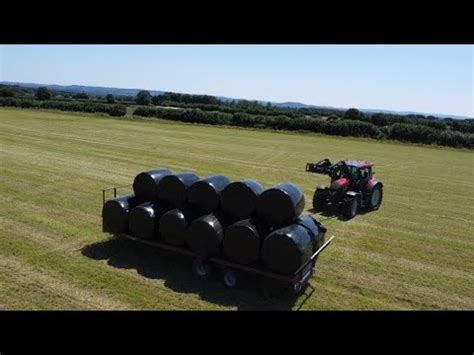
x: 399, y: 111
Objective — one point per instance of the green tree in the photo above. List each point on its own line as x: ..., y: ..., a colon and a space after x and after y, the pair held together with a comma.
x: 157, y: 100
x: 143, y: 98
x: 43, y: 93
x: 353, y: 114
x: 6, y: 92
x: 81, y: 95
x: 110, y: 99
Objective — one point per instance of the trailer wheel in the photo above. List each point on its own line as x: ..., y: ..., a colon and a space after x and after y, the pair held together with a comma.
x: 297, y: 287
x: 231, y: 278
x: 201, y: 269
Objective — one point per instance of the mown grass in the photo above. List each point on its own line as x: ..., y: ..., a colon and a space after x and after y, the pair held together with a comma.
x: 416, y: 252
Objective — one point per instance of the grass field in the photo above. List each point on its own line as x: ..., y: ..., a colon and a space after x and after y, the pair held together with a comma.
x: 416, y: 252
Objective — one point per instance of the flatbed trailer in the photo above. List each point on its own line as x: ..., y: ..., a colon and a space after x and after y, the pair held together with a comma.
x: 202, y: 268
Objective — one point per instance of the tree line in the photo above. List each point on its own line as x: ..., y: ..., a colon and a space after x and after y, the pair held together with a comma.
x: 210, y: 103
x: 111, y: 109
x: 43, y: 94
x: 232, y: 108
x: 343, y: 127
x: 386, y: 120
x: 211, y: 110
x: 185, y: 98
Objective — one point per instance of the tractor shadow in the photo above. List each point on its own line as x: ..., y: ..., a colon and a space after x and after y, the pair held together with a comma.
x: 252, y: 293
x: 330, y: 214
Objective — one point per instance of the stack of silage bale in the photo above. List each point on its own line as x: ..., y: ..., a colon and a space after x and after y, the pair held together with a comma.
x: 239, y: 221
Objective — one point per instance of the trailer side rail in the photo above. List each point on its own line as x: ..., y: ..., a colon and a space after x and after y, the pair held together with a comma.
x: 114, y: 189
x: 316, y: 253
x: 244, y: 268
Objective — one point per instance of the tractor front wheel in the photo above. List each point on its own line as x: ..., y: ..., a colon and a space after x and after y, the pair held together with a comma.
x: 320, y: 199
x: 351, y: 208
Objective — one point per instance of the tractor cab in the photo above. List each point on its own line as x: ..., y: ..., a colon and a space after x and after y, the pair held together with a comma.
x: 360, y: 172
x: 339, y: 171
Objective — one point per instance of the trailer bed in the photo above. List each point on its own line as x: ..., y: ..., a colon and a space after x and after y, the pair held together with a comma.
x: 297, y: 281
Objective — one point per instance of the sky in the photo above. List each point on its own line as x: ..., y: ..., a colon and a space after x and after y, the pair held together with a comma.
x: 421, y: 78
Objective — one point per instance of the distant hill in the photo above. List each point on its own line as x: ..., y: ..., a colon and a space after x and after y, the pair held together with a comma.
x: 438, y: 115
x: 91, y: 90
x: 295, y: 105
x: 102, y: 91
x: 368, y: 110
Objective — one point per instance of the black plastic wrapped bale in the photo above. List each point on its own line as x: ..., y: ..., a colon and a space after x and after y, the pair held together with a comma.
x: 280, y: 205
x: 145, y: 184
x: 239, y: 199
x: 144, y: 220
x: 205, y: 234
x: 173, y: 225
x: 286, y: 249
x: 204, y: 195
x: 115, y: 214
x: 173, y: 188
x: 243, y: 239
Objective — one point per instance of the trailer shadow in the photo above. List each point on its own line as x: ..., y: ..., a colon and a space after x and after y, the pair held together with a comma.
x: 175, y: 269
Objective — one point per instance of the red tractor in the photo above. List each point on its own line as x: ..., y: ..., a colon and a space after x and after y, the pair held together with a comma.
x: 353, y: 187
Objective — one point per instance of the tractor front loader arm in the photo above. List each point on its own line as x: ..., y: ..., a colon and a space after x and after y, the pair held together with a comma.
x: 323, y: 167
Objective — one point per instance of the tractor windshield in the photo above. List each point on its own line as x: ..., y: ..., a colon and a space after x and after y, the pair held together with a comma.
x: 364, y: 173
x: 354, y: 171
x: 340, y: 171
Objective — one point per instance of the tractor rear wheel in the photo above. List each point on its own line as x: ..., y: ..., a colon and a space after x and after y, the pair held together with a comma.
x: 375, y: 197
x: 319, y: 199
x: 351, y: 208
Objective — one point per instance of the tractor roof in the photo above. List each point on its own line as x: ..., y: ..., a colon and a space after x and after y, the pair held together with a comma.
x: 359, y: 163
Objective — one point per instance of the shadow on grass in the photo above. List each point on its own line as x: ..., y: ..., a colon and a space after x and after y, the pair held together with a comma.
x: 253, y: 293
x: 331, y: 213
